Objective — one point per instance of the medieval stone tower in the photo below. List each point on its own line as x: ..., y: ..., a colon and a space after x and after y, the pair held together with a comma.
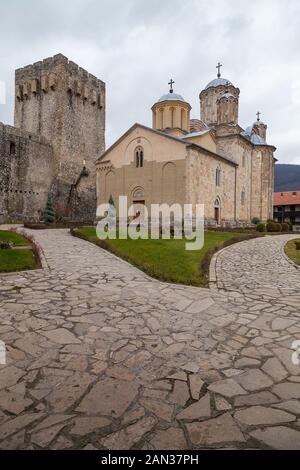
x: 60, y: 104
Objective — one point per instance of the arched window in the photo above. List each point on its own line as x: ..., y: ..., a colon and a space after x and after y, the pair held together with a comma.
x: 138, y: 193
x: 244, y: 160
x: 12, y: 148
x: 243, y: 197
x: 172, y: 110
x: 182, y: 119
x: 161, y: 118
x: 218, y: 176
x: 217, y: 203
x: 139, y: 157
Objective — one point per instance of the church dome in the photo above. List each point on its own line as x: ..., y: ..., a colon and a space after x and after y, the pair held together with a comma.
x: 258, y: 123
x: 171, y: 97
x: 218, y: 82
x: 254, y: 138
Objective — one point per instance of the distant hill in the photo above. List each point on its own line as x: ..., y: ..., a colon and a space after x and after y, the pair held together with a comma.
x: 287, y: 178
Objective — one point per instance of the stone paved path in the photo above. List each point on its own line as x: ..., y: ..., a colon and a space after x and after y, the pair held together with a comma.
x: 100, y: 356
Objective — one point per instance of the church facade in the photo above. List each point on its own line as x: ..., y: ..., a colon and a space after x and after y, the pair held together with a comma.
x: 211, y: 160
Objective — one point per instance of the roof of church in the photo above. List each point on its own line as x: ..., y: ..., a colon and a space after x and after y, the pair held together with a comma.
x: 163, y: 134
x: 194, y: 134
x: 171, y: 97
x: 218, y: 82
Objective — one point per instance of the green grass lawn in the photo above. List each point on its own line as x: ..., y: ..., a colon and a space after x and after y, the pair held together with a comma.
x: 168, y: 260
x: 13, y: 237
x: 17, y: 260
x: 290, y: 250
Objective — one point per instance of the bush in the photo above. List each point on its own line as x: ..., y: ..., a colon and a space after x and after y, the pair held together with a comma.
x: 111, y: 201
x: 297, y: 245
x: 255, y: 221
x: 271, y: 227
x: 261, y: 227
x: 6, y: 245
x: 285, y: 227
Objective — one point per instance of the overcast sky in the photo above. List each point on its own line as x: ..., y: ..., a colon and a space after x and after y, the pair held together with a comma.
x: 136, y: 46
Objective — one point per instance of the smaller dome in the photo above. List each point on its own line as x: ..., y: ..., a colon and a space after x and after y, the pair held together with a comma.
x: 258, y: 123
x: 218, y: 82
x: 257, y: 140
x: 171, y: 97
x: 253, y: 137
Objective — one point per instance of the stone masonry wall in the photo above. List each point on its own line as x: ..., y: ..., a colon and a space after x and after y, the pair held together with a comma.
x: 201, y: 186
x: 239, y: 150
x: 262, y: 183
x: 26, y: 172
x: 65, y: 104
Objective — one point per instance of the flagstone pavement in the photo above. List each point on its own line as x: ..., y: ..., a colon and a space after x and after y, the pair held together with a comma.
x: 100, y: 356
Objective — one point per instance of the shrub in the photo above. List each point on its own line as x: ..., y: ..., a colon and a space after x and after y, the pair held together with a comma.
x: 261, y: 227
x: 49, y: 214
x: 6, y: 245
x: 278, y: 227
x: 285, y: 227
x: 111, y: 201
x: 255, y: 221
x: 297, y: 245
x: 271, y: 227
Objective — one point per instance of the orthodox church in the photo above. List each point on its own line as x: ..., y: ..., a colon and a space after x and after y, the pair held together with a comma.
x: 209, y: 160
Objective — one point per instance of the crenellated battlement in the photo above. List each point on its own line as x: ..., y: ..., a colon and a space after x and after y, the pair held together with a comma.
x: 58, y: 73
x: 14, y: 132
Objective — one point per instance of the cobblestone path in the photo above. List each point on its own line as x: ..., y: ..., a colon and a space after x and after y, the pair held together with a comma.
x: 99, y: 356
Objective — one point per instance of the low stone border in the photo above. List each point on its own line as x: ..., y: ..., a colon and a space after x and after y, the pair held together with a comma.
x: 289, y: 260
x: 212, y: 278
x: 36, y: 246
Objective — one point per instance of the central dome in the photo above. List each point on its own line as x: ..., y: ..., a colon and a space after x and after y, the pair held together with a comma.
x: 218, y: 82
x: 171, y: 97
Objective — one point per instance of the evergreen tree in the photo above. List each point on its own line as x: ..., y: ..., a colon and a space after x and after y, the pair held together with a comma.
x: 111, y: 201
x: 49, y: 214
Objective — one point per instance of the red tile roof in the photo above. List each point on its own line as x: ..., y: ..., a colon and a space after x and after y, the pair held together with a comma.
x: 287, y: 199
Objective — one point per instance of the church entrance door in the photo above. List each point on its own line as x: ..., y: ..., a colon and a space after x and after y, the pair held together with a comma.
x: 217, y: 207
x: 138, y: 209
x: 217, y: 215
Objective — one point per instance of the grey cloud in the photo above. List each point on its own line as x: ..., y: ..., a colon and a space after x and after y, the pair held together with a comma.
x: 135, y: 46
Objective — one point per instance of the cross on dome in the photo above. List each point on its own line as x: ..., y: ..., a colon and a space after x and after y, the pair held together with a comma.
x: 219, y: 69
x: 171, y: 83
